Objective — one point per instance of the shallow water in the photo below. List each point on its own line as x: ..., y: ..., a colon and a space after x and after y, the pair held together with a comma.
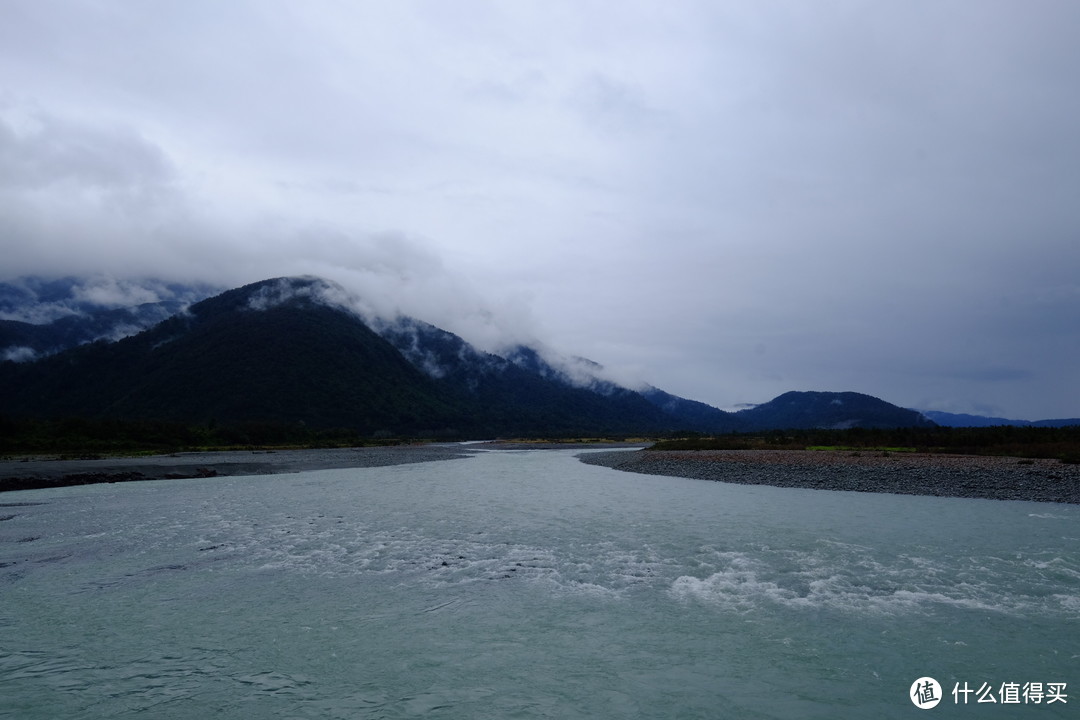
x: 525, y: 585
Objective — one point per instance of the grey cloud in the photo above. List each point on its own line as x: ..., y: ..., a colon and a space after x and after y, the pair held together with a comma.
x: 37, y: 301
x: 110, y: 292
x: 992, y: 374
x: 613, y: 105
x: 80, y: 197
x: 19, y: 354
x: 41, y: 151
x: 880, y: 195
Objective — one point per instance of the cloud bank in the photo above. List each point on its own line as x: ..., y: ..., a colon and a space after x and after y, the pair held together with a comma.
x: 726, y: 200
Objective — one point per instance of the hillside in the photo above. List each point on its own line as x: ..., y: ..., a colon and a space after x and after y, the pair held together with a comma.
x: 276, y: 352
x: 830, y: 410
x: 41, y: 317
x: 694, y: 415
x: 225, y: 362
x: 515, y: 398
x: 963, y: 420
x: 292, y: 351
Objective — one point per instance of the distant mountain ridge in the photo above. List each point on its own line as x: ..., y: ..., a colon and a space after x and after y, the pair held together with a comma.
x: 41, y: 317
x: 965, y: 420
x: 831, y: 410
x: 296, y: 350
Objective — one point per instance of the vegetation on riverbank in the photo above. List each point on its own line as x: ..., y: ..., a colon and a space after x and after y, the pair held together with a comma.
x: 1029, y: 442
x: 81, y: 437
x: 88, y: 437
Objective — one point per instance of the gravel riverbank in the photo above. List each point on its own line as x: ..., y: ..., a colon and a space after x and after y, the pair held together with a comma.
x: 995, y: 478
x: 871, y: 471
x: 29, y: 474
x: 43, y: 472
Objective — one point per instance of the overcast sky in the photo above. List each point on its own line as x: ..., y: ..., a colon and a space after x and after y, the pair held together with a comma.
x: 728, y: 200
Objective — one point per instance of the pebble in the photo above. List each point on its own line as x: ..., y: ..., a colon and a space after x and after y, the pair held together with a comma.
x: 994, y: 478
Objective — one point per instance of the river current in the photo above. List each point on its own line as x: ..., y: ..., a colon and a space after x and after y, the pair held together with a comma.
x: 525, y: 584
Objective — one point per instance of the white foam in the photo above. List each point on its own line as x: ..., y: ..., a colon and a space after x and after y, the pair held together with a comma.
x: 805, y: 580
x: 735, y: 589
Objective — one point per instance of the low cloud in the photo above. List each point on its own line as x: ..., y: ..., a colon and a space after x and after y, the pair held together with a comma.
x: 69, y: 205
x: 110, y: 292
x: 42, y: 151
x: 881, y: 199
x: 19, y: 354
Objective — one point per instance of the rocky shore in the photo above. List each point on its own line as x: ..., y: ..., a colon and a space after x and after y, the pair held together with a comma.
x: 44, y: 472
x: 33, y: 473
x: 997, y: 478
x: 966, y: 476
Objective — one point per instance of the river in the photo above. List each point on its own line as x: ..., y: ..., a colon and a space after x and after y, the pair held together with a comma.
x: 526, y: 584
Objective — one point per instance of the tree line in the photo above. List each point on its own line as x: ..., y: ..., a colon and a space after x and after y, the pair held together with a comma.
x: 1062, y: 443
x: 77, y: 436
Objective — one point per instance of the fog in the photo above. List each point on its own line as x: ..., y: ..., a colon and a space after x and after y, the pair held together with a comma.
x: 726, y: 200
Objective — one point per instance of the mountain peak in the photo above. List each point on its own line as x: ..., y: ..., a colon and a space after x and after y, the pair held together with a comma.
x: 266, y: 294
x: 832, y: 410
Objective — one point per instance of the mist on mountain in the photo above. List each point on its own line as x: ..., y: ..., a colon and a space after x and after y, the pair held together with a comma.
x: 306, y: 350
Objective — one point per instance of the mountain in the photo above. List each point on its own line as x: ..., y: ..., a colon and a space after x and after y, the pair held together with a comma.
x: 692, y: 414
x: 965, y: 420
x: 281, y: 351
x: 512, y: 380
x: 831, y: 410
x: 512, y: 396
x: 229, y: 359
x: 295, y: 350
x: 41, y: 317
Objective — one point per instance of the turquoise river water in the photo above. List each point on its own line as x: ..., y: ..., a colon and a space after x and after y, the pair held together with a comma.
x: 525, y: 584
